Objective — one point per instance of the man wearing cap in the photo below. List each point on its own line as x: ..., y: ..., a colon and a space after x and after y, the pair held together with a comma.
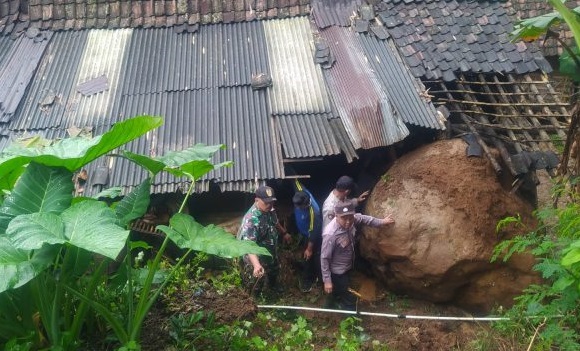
x: 343, y: 189
x: 309, y: 224
x: 337, y: 252
x: 260, y: 224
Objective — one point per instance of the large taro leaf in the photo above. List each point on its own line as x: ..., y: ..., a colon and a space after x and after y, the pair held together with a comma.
x: 32, y: 231
x: 193, y: 162
x: 186, y: 233
x: 17, y: 268
x: 40, y: 189
x: 92, y: 226
x: 135, y: 204
x: 73, y: 153
x: 7, y: 182
x: 152, y: 165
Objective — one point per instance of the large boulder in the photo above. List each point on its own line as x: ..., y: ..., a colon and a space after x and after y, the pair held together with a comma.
x: 446, y: 207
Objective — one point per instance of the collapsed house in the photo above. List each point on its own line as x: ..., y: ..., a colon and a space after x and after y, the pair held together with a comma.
x: 279, y: 83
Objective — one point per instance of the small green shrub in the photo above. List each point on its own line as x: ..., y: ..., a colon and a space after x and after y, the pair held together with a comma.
x: 549, y: 309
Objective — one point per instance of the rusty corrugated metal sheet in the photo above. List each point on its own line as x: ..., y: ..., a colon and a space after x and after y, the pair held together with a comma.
x: 297, y: 83
x: 361, y: 101
x: 328, y: 13
x: 404, y: 91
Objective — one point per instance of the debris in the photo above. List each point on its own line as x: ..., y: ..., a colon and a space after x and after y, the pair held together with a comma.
x: 48, y: 99
x: 261, y: 80
x: 322, y: 54
x: 379, y: 31
x: 93, y: 86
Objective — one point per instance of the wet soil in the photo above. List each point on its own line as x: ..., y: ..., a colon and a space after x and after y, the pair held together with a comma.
x: 400, y: 334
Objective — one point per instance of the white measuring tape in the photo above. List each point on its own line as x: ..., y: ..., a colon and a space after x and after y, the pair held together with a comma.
x: 388, y: 315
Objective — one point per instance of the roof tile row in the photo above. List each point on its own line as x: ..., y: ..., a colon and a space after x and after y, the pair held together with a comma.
x: 440, y: 39
x: 17, y: 15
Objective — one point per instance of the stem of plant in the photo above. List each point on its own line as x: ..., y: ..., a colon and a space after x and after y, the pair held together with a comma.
x: 144, y: 305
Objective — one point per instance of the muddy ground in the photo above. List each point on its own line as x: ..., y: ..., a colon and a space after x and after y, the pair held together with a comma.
x: 395, y: 333
x: 399, y: 334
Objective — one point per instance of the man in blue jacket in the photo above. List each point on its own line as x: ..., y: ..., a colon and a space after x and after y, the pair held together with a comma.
x: 309, y: 224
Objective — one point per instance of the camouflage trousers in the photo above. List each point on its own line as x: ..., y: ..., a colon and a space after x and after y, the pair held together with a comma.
x: 255, y: 285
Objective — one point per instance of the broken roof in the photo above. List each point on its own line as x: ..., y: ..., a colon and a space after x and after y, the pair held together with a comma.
x: 343, y: 82
x: 201, y: 83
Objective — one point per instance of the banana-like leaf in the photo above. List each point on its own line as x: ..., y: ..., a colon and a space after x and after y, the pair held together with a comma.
x: 135, y: 204
x: 40, y: 189
x: 194, y: 161
x: 573, y: 256
x: 568, y: 66
x: 92, y: 226
x: 32, y: 231
x: 16, y: 268
x: 186, y: 233
x: 535, y: 27
x: 571, y: 17
x: 73, y: 153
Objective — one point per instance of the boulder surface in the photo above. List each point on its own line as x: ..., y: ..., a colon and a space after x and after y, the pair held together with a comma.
x: 446, y: 207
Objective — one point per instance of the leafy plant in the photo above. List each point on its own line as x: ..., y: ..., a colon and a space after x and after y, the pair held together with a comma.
x: 549, y: 309
x: 299, y: 336
x: 533, y: 28
x: 198, y: 331
x: 54, y: 250
x: 350, y: 335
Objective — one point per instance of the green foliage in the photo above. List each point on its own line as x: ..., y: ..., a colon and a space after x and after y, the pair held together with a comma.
x: 298, y: 337
x: 73, y: 153
x: 568, y: 67
x: 550, y: 307
x: 350, y: 336
x: 187, y: 233
x: 194, y: 332
x: 54, y: 250
x: 534, y: 28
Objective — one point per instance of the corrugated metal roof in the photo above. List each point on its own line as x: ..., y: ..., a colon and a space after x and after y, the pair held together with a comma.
x: 6, y: 44
x: 343, y: 139
x: 216, y: 55
x: 307, y: 135
x: 53, y: 100
x: 157, y: 80
x: 328, y: 13
x: 298, y: 85
x: 361, y: 101
x: 200, y: 83
x: 403, y: 89
x: 237, y: 117
x: 18, y: 61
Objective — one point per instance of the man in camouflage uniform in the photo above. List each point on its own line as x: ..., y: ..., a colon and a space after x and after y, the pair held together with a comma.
x: 260, y: 224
